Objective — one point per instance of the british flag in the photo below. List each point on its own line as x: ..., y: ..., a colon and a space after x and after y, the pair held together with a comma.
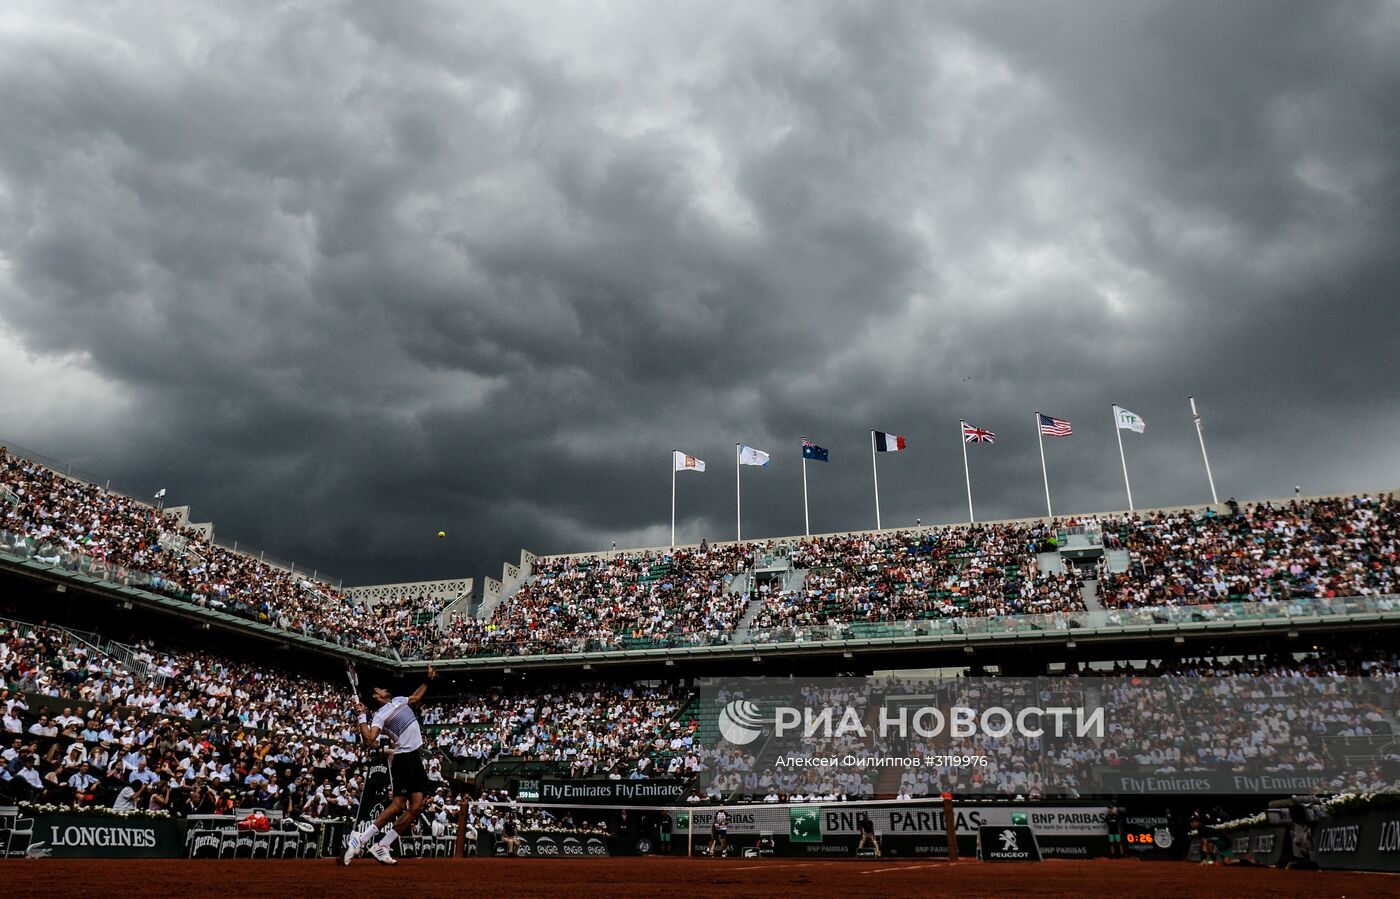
x: 977, y: 435
x: 1054, y: 427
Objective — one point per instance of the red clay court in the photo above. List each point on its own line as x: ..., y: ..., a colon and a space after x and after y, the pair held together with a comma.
x: 615, y: 877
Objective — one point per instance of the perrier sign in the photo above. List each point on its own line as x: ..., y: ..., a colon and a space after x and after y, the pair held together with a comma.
x: 805, y: 824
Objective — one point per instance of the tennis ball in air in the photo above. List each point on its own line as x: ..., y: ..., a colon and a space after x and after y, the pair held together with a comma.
x: 441, y: 534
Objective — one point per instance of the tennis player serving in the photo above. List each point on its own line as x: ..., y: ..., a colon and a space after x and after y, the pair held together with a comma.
x: 409, y: 784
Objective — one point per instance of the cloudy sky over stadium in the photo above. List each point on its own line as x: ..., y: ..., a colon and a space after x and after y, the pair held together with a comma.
x: 339, y: 275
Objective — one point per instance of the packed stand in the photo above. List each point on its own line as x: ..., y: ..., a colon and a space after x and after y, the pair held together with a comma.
x: 1265, y: 553
x: 737, y: 774
x: 979, y: 571
x: 206, y: 732
x: 681, y: 597
x: 55, y: 519
x: 981, y: 574
x: 1329, y: 717
x: 204, y: 735
x: 594, y: 731
x: 490, y: 812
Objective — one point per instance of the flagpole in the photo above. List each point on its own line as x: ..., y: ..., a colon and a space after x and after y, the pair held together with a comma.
x: 966, y: 473
x: 1122, y: 458
x: 806, y: 517
x: 876, y: 471
x: 1049, y: 513
x: 673, y: 496
x: 1215, y: 500
x: 738, y: 501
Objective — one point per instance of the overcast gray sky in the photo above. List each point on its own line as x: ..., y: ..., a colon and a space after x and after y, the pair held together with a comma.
x: 340, y: 275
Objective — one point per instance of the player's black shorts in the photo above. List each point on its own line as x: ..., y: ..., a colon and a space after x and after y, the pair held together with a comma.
x: 406, y: 774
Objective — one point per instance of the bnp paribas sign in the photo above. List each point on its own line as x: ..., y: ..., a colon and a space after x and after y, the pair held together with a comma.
x: 805, y: 824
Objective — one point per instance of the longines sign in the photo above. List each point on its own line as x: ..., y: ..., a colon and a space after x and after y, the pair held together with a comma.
x: 1368, y: 840
x: 79, y: 836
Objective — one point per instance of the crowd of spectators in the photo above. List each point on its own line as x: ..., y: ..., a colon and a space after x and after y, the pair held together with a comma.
x: 496, y: 811
x: 981, y: 571
x: 1282, y: 712
x: 597, y: 730
x: 1263, y: 553
x: 406, y: 624
x: 193, y: 733
x: 649, y: 598
x: 1328, y: 718
x: 1279, y: 714
x: 737, y: 774
x: 60, y: 520
x: 197, y: 727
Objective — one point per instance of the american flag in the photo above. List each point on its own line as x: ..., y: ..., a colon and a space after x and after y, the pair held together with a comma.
x: 977, y: 435
x: 1054, y: 427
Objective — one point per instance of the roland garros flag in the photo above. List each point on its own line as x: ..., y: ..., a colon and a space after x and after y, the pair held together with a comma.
x: 688, y: 463
x: 889, y: 443
x: 680, y: 462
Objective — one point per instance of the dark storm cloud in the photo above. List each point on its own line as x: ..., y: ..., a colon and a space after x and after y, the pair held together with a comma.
x: 339, y: 277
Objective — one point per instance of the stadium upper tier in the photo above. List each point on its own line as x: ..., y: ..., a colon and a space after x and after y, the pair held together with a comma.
x: 965, y: 578
x: 1303, y: 557
x: 83, y: 527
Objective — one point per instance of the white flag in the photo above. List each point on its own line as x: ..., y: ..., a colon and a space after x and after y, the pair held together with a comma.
x: 1128, y: 421
x: 688, y: 463
x: 750, y: 456
x: 160, y: 493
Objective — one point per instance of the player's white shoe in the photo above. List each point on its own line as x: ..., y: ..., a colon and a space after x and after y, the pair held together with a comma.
x: 382, y: 854
x: 353, y: 847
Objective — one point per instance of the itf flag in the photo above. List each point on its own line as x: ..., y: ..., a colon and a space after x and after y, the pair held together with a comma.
x: 750, y: 456
x: 1128, y: 421
x: 816, y: 453
x: 889, y: 443
x: 688, y: 463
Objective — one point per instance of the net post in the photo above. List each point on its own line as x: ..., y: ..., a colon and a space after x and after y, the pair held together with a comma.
x: 950, y: 824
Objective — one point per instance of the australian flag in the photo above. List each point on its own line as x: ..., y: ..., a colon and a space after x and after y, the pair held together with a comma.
x: 816, y: 453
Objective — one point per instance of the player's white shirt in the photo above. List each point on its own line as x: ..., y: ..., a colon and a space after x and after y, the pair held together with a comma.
x: 396, y: 720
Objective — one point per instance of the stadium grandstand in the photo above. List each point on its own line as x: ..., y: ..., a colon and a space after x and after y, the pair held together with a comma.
x: 1329, y: 558
x: 149, y: 669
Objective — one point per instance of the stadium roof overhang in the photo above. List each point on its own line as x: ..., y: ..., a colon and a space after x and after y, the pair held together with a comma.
x: 1130, y: 641
x: 63, y: 580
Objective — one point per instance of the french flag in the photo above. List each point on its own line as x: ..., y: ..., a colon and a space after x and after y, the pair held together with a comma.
x: 888, y: 443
